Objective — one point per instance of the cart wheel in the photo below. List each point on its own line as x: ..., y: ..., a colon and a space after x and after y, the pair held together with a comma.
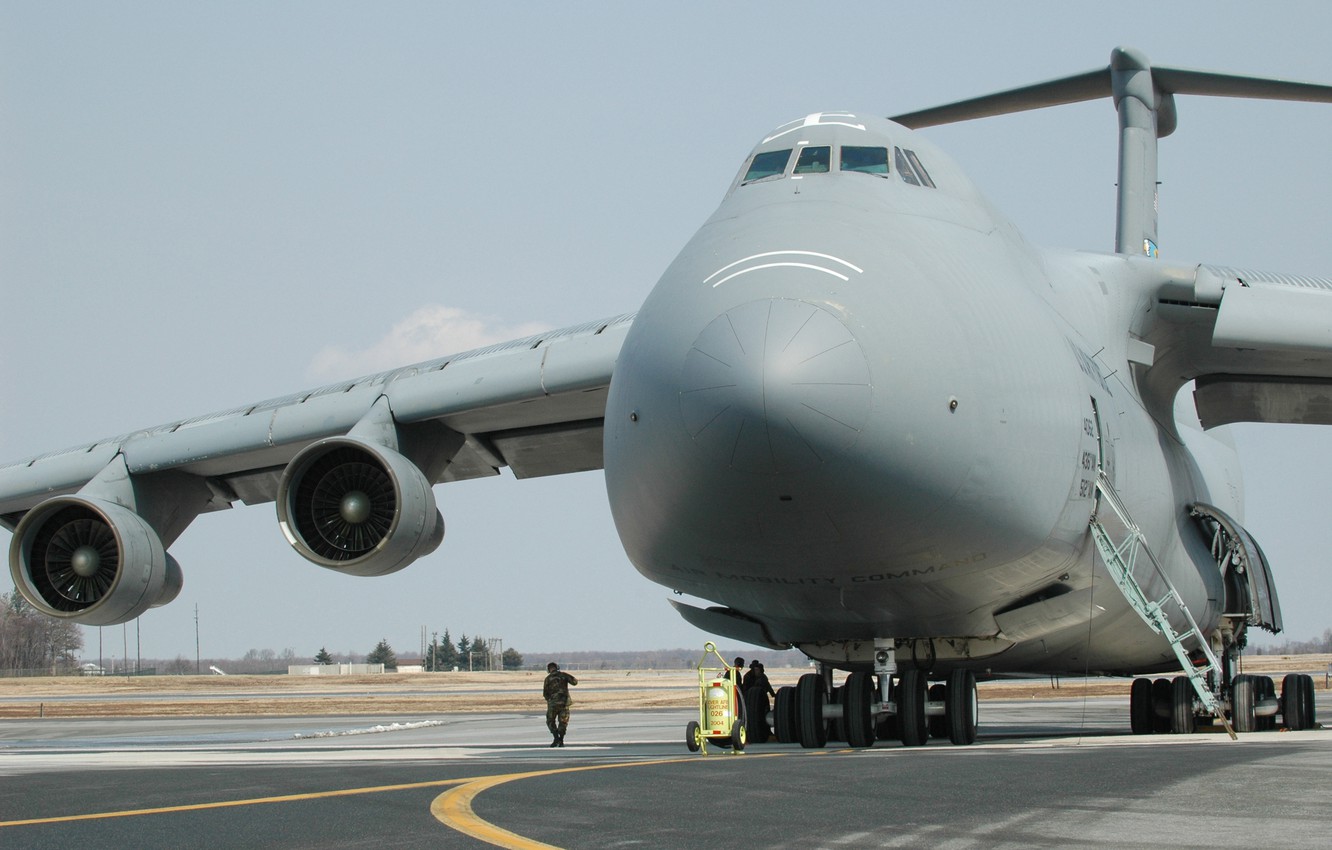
x: 693, y: 736
x: 738, y: 735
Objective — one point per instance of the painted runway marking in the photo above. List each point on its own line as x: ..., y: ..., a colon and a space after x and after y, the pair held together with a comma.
x: 224, y: 804
x: 453, y: 808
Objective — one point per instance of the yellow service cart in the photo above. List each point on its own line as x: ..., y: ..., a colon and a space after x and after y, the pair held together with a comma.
x: 721, y: 710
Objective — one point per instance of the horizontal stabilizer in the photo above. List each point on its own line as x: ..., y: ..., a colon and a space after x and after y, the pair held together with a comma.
x: 1092, y: 85
x: 1075, y: 89
x: 1144, y: 97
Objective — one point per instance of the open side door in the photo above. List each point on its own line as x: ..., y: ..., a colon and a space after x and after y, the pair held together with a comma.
x: 1250, y: 591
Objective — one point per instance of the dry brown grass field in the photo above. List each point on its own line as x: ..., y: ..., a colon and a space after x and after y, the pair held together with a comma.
x: 435, y: 693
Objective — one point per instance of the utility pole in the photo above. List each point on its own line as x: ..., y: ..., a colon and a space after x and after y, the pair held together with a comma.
x: 196, y: 639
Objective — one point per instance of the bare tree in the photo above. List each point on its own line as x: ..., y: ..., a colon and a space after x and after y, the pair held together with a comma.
x: 31, y: 641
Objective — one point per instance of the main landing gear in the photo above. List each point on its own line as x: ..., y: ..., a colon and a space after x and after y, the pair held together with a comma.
x: 1171, y: 705
x: 876, y: 706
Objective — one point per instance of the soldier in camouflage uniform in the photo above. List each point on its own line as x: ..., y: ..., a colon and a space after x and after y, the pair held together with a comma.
x: 556, y: 692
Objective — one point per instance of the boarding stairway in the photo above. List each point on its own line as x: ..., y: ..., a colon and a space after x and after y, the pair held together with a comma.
x: 1120, y: 559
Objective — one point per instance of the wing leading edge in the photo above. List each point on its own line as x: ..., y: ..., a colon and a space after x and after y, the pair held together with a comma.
x: 533, y: 404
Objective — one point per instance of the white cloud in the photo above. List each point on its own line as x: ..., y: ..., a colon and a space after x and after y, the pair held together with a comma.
x: 429, y: 332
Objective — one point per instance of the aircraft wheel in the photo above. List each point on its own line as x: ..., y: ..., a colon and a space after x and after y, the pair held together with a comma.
x: 1161, y: 703
x: 938, y: 723
x: 809, y: 699
x: 1310, y: 707
x: 1242, y: 693
x: 857, y: 696
x: 785, y: 718
x: 756, y: 715
x: 1181, y: 706
x: 1142, y: 716
x: 1297, y: 701
x: 961, y: 707
x: 911, y: 708
x: 693, y: 736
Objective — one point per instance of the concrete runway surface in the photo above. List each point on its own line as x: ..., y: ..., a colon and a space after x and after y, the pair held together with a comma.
x: 1045, y: 773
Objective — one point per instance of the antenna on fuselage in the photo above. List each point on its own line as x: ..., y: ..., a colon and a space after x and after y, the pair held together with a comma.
x: 1144, y: 98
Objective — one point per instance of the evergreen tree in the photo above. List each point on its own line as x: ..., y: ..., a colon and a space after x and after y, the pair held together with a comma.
x: 512, y: 659
x: 464, y: 652
x: 322, y: 657
x: 383, y: 654
x: 448, y: 653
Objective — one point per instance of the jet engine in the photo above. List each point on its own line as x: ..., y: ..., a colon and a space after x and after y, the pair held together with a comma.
x: 357, y: 507
x: 91, y: 561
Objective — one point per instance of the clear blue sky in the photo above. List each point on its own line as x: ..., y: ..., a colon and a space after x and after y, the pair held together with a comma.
x: 204, y: 205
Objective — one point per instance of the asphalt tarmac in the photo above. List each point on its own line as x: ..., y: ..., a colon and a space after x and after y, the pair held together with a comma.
x: 1045, y: 773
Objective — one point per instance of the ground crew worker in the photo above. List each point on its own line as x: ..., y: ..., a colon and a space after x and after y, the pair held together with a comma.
x: 556, y: 692
x: 756, y: 678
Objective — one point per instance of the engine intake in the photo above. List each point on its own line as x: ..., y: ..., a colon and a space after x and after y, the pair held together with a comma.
x: 357, y: 507
x: 91, y: 561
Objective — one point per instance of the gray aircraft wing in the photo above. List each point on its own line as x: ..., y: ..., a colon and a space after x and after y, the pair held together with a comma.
x: 534, y: 405
x: 1258, y: 344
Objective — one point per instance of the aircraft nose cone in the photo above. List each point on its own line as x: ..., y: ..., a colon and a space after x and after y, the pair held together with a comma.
x: 775, y: 386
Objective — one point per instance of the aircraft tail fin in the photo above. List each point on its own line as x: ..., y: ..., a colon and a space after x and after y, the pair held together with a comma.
x: 1144, y: 98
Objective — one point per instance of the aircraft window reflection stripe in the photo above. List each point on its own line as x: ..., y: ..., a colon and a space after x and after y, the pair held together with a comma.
x: 865, y: 160
x: 814, y: 160
x: 768, y: 164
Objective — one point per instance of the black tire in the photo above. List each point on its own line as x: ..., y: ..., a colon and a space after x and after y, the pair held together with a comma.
x: 1161, y: 703
x: 1142, y: 716
x: 738, y: 735
x: 937, y: 723
x: 693, y: 736
x: 857, y: 697
x: 1297, y: 704
x: 1243, y: 695
x: 1292, y: 707
x: 1310, y: 706
x: 756, y: 716
x: 911, y: 708
x: 785, y: 717
x: 1181, y: 706
x: 810, y: 695
x: 961, y: 707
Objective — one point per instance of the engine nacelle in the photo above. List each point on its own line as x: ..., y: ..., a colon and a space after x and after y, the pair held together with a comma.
x: 91, y: 561
x: 357, y: 507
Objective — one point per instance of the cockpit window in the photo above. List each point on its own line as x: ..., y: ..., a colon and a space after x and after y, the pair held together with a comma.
x: 920, y: 169
x: 908, y: 165
x: 865, y: 160
x: 814, y: 160
x: 767, y: 164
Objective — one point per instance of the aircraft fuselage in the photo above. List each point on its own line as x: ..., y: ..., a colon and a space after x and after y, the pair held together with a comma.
x: 855, y: 408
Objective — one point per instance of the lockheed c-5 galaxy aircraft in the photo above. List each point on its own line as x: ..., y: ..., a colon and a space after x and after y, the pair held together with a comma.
x: 858, y: 412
